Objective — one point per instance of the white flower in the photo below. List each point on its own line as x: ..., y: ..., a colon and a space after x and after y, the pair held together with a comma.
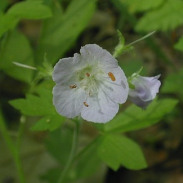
x: 90, y: 84
x: 145, y: 90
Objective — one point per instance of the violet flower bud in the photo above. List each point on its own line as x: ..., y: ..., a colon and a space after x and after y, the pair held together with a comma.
x: 145, y: 89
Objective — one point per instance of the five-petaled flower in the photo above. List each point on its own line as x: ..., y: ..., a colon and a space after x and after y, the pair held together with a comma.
x: 90, y: 85
x: 145, y: 89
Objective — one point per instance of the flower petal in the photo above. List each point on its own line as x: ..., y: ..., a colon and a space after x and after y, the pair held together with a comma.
x: 116, y: 89
x: 145, y: 90
x: 133, y: 96
x: 68, y: 101
x: 93, y: 54
x: 141, y: 91
x: 91, y: 85
x: 100, y: 108
x: 65, y: 68
x: 153, y: 83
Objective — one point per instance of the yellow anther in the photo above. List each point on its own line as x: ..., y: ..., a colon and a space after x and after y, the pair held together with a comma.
x: 85, y: 104
x: 111, y: 75
x: 73, y: 86
x: 88, y: 74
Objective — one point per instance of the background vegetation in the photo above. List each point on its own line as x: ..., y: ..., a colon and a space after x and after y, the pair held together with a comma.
x: 37, y: 141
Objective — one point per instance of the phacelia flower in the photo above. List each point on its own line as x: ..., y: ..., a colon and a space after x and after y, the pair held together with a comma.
x: 145, y: 90
x: 90, y: 85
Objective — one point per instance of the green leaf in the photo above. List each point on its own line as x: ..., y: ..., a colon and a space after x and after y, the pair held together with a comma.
x: 173, y: 83
x: 30, y: 10
x: 60, y: 32
x: 7, y: 22
x: 23, y: 10
x: 166, y: 17
x: 134, y: 118
x: 179, y: 44
x: 40, y: 106
x: 50, y: 122
x: 119, y: 150
x: 144, y: 5
x: 35, y: 105
x: 3, y: 5
x: 16, y: 48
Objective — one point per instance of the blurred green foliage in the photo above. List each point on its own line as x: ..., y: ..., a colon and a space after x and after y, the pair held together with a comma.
x: 134, y: 6
x: 158, y: 14
x: 16, y: 47
x: 58, y: 28
x: 23, y: 10
x: 166, y: 17
x: 179, y: 44
x: 61, y: 31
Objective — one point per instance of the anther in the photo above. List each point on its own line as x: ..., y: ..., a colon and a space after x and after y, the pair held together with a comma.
x: 88, y: 74
x: 73, y: 86
x: 111, y: 75
x: 85, y: 104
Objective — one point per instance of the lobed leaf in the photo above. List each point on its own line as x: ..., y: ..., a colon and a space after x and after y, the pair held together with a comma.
x: 33, y: 105
x: 134, y: 118
x: 166, y: 17
x: 49, y: 122
x: 40, y: 105
x: 118, y: 150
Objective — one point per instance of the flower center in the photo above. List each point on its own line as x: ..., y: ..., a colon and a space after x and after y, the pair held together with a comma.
x: 88, y: 79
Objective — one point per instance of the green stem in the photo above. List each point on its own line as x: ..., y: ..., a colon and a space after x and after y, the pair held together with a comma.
x: 12, y: 148
x: 140, y: 39
x: 19, y: 167
x: 17, y: 147
x: 72, y: 153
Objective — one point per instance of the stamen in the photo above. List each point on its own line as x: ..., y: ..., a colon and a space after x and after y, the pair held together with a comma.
x: 111, y: 75
x: 73, y: 86
x: 85, y: 104
x: 88, y: 74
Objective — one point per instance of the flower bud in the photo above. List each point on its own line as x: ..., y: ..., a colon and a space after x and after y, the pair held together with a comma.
x: 144, y: 90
